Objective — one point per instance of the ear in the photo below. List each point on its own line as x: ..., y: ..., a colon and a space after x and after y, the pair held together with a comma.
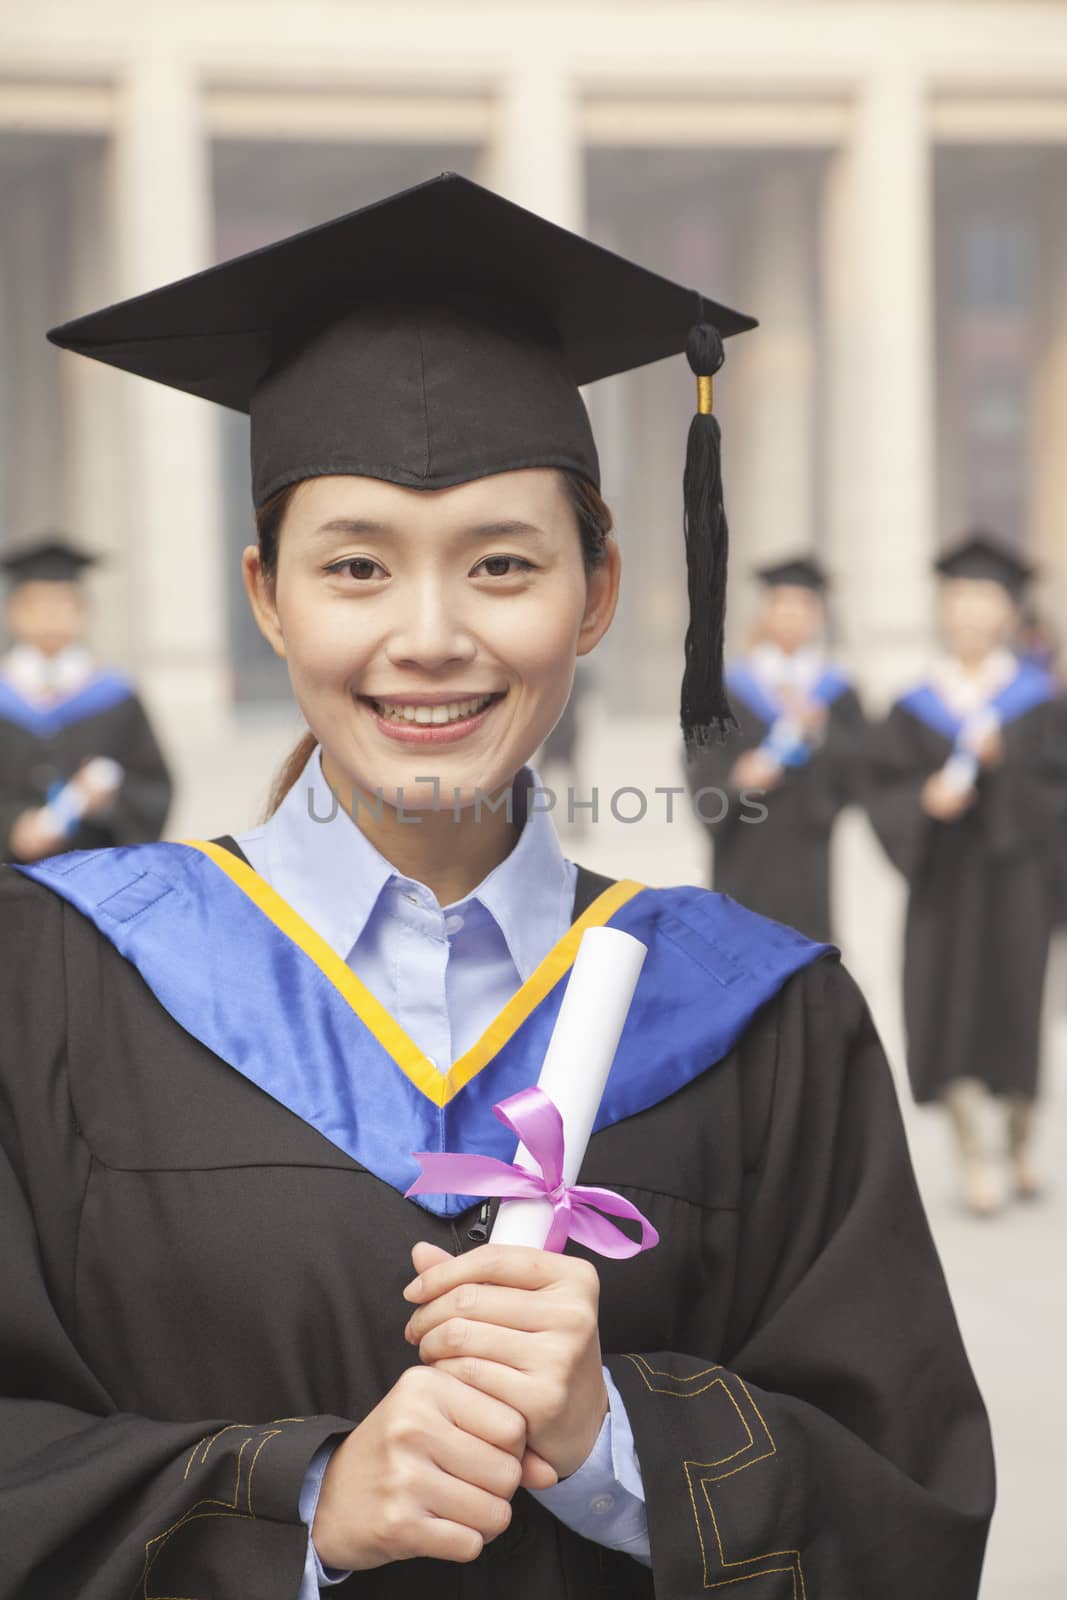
x: 601, y: 598
x: 261, y: 597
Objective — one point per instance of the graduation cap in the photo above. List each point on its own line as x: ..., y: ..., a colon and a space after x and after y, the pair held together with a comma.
x: 980, y: 554
x: 49, y: 559
x: 433, y: 338
x: 798, y: 572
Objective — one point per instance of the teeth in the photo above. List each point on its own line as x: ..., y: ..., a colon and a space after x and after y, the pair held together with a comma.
x: 437, y: 715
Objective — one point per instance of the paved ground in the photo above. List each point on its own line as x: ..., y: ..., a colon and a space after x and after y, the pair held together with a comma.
x: 1007, y: 1276
x: 1009, y: 1283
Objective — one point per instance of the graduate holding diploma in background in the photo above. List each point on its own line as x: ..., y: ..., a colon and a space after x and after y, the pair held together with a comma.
x: 967, y: 792
x: 798, y: 752
x: 80, y: 766
x: 238, y: 1359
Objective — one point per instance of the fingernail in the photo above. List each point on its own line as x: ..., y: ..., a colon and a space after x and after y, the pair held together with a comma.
x: 413, y: 1290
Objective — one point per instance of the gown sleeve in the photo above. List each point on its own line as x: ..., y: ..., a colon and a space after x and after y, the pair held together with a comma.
x: 837, y: 1438
x: 708, y: 773
x: 139, y: 809
x: 12, y: 806
x: 845, y: 748
x: 1025, y: 797
x: 96, y: 1502
x: 899, y: 761
x: 829, y: 779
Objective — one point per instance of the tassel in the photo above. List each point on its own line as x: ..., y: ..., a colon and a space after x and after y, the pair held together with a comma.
x: 706, y: 711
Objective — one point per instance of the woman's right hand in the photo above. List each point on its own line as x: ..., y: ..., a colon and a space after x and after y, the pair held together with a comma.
x: 430, y: 1472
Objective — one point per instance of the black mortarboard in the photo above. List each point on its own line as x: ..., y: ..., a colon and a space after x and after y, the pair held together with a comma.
x: 436, y: 337
x: 980, y: 554
x: 49, y: 559
x: 799, y: 572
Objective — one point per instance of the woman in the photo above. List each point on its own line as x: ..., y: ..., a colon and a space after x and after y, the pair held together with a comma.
x: 79, y: 763
x: 219, y: 1058
x: 796, y: 757
x: 967, y: 794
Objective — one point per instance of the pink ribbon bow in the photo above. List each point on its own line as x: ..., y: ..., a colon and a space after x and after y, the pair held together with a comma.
x: 534, y: 1119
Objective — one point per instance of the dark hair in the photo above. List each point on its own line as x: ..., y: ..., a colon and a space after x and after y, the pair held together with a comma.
x: 594, y: 521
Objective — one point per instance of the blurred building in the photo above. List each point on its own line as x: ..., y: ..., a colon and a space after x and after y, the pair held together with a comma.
x: 884, y: 185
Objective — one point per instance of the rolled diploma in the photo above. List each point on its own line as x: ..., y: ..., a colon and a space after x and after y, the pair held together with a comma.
x: 576, y: 1065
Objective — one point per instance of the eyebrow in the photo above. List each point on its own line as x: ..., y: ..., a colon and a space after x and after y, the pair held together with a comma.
x: 506, y: 528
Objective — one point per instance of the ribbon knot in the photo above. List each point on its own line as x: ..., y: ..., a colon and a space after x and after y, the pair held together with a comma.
x: 535, y: 1121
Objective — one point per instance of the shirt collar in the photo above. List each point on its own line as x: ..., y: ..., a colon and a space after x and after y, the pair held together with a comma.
x: 774, y: 667
x: 326, y: 868
x: 530, y: 894
x: 963, y: 690
x: 41, y: 677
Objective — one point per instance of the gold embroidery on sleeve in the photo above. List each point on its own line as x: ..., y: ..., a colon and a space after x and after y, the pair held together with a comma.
x: 701, y: 1475
x: 213, y: 1508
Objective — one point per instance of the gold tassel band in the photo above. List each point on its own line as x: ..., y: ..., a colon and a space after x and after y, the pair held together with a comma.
x: 705, y: 387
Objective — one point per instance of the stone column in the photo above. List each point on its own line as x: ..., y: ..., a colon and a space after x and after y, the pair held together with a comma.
x: 877, y: 274
x: 34, y: 244
x: 1047, y: 502
x: 769, y: 385
x: 97, y: 475
x: 536, y: 157
x: 164, y: 231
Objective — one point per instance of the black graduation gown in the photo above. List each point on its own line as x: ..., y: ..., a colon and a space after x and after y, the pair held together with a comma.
x: 979, y: 903
x: 779, y: 863
x: 200, y: 1289
x: 31, y: 763
x: 1056, y: 764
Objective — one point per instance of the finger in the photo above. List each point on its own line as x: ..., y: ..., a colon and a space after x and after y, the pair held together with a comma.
x: 442, y: 1540
x: 484, y: 1341
x: 490, y: 1380
x: 470, y: 1459
x: 486, y: 1302
x: 512, y: 1266
x: 536, y: 1472
x: 485, y: 1416
x: 488, y: 1514
x: 425, y: 1255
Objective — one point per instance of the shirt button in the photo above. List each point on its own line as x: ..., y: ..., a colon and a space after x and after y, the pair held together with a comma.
x: 453, y: 924
x: 602, y: 1503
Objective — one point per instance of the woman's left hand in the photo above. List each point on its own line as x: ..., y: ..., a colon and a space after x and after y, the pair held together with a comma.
x: 521, y: 1325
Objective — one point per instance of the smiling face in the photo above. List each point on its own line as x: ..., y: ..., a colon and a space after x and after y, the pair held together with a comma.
x: 431, y: 633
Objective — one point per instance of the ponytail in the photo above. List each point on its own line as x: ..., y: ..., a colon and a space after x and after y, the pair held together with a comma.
x: 289, y: 772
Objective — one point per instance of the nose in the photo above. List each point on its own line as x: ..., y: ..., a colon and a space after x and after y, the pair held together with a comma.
x: 430, y: 631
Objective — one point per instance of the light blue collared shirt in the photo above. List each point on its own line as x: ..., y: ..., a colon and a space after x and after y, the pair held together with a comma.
x: 444, y: 973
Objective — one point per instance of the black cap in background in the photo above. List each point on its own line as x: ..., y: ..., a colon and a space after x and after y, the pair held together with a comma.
x: 797, y: 572
x: 981, y: 554
x: 48, y: 559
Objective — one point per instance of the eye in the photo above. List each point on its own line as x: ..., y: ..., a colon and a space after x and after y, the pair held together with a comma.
x: 361, y: 568
x: 503, y: 566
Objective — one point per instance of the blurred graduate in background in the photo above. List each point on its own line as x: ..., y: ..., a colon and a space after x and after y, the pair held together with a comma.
x: 80, y: 767
x: 796, y: 753
x: 966, y: 788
